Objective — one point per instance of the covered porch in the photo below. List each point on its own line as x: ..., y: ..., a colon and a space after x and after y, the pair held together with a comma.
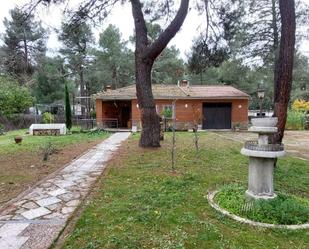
x: 115, y: 114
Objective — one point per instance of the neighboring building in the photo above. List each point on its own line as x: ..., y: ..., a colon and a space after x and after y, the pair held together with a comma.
x: 212, y: 107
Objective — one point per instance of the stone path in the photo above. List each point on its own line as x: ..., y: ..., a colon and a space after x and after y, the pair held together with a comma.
x: 38, y: 216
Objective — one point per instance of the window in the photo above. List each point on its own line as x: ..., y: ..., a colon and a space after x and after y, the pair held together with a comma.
x: 168, y: 111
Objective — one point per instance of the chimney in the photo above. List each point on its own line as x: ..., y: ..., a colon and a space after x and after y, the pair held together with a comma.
x: 108, y: 88
x: 183, y: 83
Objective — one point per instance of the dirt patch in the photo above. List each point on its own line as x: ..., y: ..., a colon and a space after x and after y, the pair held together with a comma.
x: 296, y: 142
x: 20, y: 171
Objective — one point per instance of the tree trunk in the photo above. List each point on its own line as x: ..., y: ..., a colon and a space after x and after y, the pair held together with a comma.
x: 82, y: 90
x: 114, y: 77
x: 275, y: 40
x: 150, y: 136
x: 145, y: 55
x: 284, y: 70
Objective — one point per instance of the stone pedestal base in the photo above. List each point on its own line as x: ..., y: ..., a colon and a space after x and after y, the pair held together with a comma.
x: 261, y: 181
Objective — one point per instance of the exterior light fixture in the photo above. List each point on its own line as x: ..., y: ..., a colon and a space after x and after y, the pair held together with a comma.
x: 136, y: 105
x: 261, y: 95
x: 186, y: 105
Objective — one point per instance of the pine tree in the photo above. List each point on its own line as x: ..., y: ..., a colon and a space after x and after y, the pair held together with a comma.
x: 24, y: 45
x: 68, y: 114
x: 77, y: 39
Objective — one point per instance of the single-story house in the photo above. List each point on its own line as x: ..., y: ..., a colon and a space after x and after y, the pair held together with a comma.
x: 209, y: 106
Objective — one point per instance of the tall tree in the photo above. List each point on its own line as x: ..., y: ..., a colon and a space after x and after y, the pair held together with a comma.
x: 24, y: 45
x: 206, y: 54
x: 168, y: 66
x: 68, y: 113
x: 48, y: 86
x: 114, y: 59
x: 146, y: 51
x: 284, y: 68
x: 145, y: 55
x: 77, y: 38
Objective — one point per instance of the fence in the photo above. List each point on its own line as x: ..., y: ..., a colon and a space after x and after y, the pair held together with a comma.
x: 23, y: 121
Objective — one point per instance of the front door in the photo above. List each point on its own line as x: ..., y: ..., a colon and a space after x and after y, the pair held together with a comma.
x: 217, y: 115
x: 125, y: 116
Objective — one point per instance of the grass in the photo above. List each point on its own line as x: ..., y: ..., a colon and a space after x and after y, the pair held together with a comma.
x: 285, y: 209
x: 35, y: 143
x: 141, y: 203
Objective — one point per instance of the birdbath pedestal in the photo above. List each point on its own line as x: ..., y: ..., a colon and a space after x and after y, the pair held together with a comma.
x: 262, y: 156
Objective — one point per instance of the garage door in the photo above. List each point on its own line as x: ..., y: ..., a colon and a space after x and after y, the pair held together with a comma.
x: 217, y: 115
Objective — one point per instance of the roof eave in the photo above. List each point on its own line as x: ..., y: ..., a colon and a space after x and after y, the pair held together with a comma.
x: 173, y: 97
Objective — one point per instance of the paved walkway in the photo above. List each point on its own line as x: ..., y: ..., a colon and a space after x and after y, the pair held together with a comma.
x: 38, y: 216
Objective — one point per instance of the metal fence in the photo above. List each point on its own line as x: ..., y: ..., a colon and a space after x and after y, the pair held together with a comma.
x: 23, y: 121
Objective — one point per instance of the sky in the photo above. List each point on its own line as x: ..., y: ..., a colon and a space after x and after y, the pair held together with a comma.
x: 121, y: 17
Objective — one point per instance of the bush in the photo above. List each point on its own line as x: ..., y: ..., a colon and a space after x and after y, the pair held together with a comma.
x: 300, y: 105
x: 295, y: 120
x: 167, y: 112
x: 48, y: 118
x: 13, y: 98
x: 48, y: 150
x: 93, y: 114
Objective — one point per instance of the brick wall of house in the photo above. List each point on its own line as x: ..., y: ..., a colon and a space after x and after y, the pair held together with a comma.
x: 189, y: 110
x: 99, y: 113
x: 109, y: 110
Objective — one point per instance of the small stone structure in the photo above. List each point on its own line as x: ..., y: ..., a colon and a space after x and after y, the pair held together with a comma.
x: 262, y: 156
x: 47, y: 129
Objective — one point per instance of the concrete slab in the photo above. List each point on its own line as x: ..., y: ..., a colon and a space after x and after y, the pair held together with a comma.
x: 57, y: 192
x: 48, y: 201
x: 12, y: 229
x: 13, y: 242
x: 35, y: 213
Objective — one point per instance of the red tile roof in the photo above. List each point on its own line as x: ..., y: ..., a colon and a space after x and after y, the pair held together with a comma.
x: 161, y: 91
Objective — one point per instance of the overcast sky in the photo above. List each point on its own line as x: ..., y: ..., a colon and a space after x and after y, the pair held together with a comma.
x: 121, y: 17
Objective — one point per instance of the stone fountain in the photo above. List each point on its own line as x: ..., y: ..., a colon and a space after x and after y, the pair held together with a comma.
x: 262, y: 155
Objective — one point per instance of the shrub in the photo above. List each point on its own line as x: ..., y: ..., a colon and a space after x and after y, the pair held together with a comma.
x: 48, y: 150
x: 48, y: 118
x: 167, y: 112
x: 300, y: 105
x: 93, y: 114
x: 13, y: 98
x: 295, y: 120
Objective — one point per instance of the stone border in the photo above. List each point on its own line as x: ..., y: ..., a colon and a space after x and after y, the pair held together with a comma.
x: 210, y: 198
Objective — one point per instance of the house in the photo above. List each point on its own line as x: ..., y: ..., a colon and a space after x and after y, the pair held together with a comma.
x: 209, y: 106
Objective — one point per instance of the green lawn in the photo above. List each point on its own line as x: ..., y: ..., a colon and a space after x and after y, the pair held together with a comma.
x: 35, y: 143
x: 141, y: 203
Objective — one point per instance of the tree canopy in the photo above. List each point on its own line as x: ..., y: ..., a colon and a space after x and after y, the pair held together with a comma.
x: 13, y: 98
x: 24, y: 45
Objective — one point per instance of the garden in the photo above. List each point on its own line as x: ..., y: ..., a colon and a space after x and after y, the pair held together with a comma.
x: 140, y: 202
